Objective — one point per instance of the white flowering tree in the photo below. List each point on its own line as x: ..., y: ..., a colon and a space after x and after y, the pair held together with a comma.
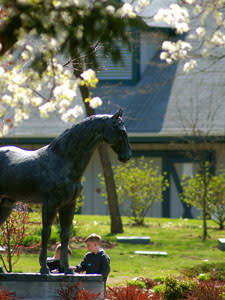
x: 203, y: 22
x: 32, y: 35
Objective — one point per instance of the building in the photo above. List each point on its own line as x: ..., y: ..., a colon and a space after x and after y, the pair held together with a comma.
x: 173, y: 119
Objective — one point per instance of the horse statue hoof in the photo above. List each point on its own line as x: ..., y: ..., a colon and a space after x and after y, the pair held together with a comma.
x: 45, y: 270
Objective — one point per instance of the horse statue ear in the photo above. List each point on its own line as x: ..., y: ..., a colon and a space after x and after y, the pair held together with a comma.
x: 117, y: 114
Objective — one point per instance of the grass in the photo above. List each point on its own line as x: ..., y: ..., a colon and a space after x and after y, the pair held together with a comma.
x: 180, y: 238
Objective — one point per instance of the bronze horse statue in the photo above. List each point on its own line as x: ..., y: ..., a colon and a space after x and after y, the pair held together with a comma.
x: 52, y: 175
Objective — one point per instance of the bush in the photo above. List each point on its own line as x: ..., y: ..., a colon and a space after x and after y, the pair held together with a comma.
x: 130, y: 292
x: 204, y: 276
x: 74, y: 292
x: 159, y: 289
x: 12, y: 234
x: 174, y: 289
x: 159, y: 279
x: 216, y: 270
x: 7, y: 295
x: 139, y: 185
x: 148, y: 282
x: 138, y: 283
x: 31, y: 240
x: 207, y: 290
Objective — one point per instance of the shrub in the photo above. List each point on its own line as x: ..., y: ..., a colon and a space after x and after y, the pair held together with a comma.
x: 216, y: 270
x: 158, y: 289
x: 74, y: 292
x: 159, y: 279
x: 7, y: 295
x: 207, y: 290
x: 204, y: 276
x: 31, y: 240
x: 149, y: 282
x: 139, y: 185
x: 138, y: 283
x: 174, y: 289
x: 12, y: 234
x: 130, y: 292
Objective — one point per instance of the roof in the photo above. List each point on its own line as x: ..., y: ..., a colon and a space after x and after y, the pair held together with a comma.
x: 144, y: 104
x: 166, y: 102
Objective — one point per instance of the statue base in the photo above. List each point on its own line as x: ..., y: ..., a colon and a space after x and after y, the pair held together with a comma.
x: 35, y: 286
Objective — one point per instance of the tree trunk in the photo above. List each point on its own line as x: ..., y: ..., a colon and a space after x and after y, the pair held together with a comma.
x: 221, y: 224
x: 116, y: 222
x: 204, y: 204
x: 204, y: 236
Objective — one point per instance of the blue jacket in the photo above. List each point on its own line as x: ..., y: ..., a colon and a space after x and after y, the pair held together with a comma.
x: 98, y: 263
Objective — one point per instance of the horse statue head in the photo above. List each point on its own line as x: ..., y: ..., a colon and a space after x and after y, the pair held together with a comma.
x: 115, y: 135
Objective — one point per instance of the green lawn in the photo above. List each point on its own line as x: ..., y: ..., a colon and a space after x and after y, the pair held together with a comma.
x: 180, y: 238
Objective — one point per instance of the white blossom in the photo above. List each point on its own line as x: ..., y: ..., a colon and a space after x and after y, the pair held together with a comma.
x: 175, y: 50
x: 46, y: 108
x: 36, y: 101
x: 197, y: 9
x: 141, y: 5
x: 89, y: 78
x: 20, y: 115
x: 72, y: 114
x: 182, y: 27
x: 163, y: 55
x: 176, y: 16
x: 95, y: 102
x: 63, y: 105
x: 126, y: 11
x: 144, y: 3
x: 8, y: 100
x: 218, y: 38
x: 219, y: 17
x: 88, y: 75
x: 201, y: 32
x: 110, y: 9
x: 188, y: 66
x: 2, y: 71
x: 190, y: 1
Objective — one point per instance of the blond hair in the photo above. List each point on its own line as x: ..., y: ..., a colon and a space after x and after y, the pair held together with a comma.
x: 93, y: 238
x: 59, y: 246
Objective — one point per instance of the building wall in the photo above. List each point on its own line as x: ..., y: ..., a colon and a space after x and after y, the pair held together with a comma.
x: 94, y: 203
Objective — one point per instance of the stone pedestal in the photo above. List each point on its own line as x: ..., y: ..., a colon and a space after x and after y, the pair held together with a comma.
x: 133, y: 239
x: 34, y: 286
x: 152, y: 253
x: 221, y: 244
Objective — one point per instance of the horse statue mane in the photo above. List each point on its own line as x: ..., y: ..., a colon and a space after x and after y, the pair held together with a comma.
x: 52, y: 175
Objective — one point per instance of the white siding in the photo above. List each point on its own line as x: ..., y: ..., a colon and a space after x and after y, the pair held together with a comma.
x: 94, y: 203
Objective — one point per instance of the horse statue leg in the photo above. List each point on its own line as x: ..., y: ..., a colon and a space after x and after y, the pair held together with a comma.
x: 48, y: 216
x: 66, y: 215
x: 6, y: 206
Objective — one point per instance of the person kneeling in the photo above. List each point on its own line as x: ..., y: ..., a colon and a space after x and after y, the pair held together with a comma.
x: 54, y: 262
